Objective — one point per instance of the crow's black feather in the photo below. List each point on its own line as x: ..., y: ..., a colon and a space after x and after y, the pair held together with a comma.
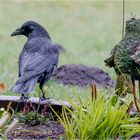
x: 37, y: 59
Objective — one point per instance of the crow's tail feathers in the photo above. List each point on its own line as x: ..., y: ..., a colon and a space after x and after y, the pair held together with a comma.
x: 24, y: 87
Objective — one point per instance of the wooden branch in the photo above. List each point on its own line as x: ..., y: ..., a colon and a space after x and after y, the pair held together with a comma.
x: 135, y: 99
x: 57, y: 105
x: 129, y: 107
x: 94, y: 92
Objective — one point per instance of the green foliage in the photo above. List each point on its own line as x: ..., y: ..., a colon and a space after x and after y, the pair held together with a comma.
x: 97, y: 120
x: 32, y: 118
x: 2, y: 111
x: 5, y: 118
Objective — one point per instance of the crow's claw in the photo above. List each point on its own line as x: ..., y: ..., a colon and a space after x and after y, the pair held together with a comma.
x: 24, y: 98
x: 44, y: 99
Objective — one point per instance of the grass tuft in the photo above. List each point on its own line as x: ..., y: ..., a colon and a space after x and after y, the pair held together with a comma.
x: 97, y: 120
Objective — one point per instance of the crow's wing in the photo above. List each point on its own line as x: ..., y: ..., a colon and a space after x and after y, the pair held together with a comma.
x: 32, y: 64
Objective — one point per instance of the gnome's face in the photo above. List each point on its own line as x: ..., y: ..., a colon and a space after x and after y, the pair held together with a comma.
x: 133, y: 25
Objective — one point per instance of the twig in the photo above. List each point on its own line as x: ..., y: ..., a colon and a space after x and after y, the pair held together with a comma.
x: 94, y: 92
x: 129, y: 107
x: 135, y: 99
x: 123, y: 18
x: 11, y: 126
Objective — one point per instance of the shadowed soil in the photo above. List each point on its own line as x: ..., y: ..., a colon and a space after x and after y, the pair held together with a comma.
x: 52, y: 130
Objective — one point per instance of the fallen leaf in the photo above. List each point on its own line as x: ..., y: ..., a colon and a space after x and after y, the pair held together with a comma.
x: 2, y: 87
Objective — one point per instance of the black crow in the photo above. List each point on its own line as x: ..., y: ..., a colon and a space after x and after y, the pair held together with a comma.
x: 37, y: 59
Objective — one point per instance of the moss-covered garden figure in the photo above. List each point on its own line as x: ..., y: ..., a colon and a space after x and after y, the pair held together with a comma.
x: 125, y: 59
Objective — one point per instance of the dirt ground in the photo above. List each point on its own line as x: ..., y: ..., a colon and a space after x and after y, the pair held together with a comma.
x: 51, y: 130
x: 80, y: 75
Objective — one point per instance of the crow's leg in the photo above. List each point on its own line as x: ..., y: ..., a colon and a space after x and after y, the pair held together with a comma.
x: 42, y: 91
x: 23, y: 98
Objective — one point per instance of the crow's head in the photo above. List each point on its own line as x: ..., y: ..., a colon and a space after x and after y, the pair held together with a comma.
x: 31, y: 28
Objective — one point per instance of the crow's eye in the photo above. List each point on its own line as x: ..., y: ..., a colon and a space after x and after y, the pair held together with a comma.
x: 31, y: 28
x: 24, y: 27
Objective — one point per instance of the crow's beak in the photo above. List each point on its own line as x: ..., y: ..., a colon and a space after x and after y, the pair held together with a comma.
x: 17, y: 32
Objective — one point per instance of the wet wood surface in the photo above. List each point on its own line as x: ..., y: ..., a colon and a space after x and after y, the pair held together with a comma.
x: 17, y: 104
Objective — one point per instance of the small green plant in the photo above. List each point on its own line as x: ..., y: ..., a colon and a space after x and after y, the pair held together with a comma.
x: 97, y: 119
x: 32, y: 118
